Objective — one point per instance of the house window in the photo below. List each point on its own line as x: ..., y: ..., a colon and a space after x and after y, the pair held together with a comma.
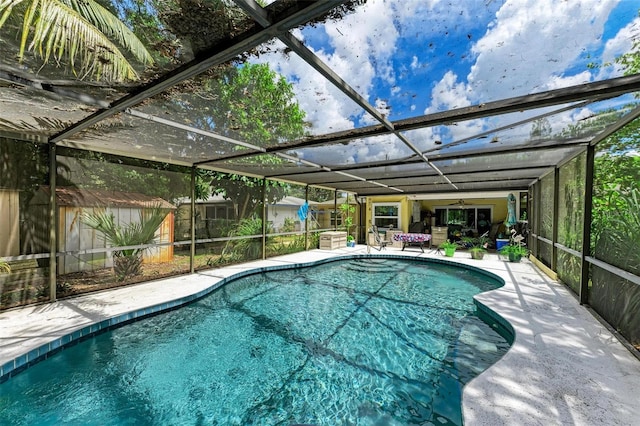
x: 386, y: 215
x: 465, y: 220
x: 336, y: 219
x: 219, y: 212
x: 211, y: 212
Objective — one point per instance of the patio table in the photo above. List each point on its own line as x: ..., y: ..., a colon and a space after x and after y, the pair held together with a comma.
x: 411, y: 238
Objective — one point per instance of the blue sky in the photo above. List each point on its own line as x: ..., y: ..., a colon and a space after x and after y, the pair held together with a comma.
x: 414, y: 57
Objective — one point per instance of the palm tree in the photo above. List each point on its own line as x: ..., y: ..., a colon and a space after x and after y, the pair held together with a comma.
x: 77, y: 33
x: 128, y: 261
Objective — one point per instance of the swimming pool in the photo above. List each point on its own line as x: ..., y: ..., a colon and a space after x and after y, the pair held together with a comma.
x: 362, y: 341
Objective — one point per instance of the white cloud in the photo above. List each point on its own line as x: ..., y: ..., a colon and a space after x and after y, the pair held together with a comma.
x: 557, y: 82
x: 415, y: 63
x: 532, y: 41
x: 328, y: 109
x: 448, y: 93
x: 364, y: 42
x: 358, y: 151
x: 530, y: 46
x: 616, y: 46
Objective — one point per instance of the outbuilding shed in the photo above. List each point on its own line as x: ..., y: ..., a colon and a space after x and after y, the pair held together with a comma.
x: 80, y: 244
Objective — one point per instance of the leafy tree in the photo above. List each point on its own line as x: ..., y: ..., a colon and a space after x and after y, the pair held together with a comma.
x: 85, y: 169
x: 617, y: 165
x: 540, y: 129
x: 315, y: 194
x: 616, y: 219
x: 617, y: 174
x: 77, y: 34
x: 246, y: 192
x: 256, y: 105
x: 346, y: 211
x: 127, y: 262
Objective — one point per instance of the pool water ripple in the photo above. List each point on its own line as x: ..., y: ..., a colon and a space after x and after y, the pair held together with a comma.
x: 356, y: 342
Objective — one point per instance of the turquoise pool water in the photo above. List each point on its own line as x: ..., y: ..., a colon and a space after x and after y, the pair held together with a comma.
x: 367, y: 341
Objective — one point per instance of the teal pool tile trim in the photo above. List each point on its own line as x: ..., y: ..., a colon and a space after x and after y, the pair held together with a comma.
x: 24, y: 361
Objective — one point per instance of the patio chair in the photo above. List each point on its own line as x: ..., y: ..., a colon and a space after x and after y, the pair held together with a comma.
x: 417, y: 228
x: 382, y: 244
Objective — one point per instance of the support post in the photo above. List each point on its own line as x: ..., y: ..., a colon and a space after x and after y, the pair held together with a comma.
x: 306, y: 219
x: 335, y: 210
x: 554, y: 225
x: 538, y: 209
x: 192, y: 220
x: 586, y: 223
x: 53, y: 223
x: 264, y: 218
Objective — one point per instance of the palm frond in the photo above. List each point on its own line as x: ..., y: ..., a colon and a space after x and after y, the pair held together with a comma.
x: 104, y: 222
x: 78, y: 33
x: 112, y: 27
x: 150, y: 221
x: 6, y: 7
x: 132, y: 234
x: 61, y: 31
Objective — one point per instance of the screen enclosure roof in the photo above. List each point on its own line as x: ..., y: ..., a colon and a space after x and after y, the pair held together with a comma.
x: 370, y: 97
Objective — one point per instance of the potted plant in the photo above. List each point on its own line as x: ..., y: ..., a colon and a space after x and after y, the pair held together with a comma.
x: 515, y: 249
x: 514, y: 252
x: 351, y: 242
x: 449, y: 248
x: 477, y: 246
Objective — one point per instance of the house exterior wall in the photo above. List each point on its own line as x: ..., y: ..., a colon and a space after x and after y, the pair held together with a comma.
x: 276, y: 215
x: 406, y: 209
x: 323, y: 215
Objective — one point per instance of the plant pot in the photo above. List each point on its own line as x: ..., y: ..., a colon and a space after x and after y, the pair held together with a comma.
x: 478, y: 255
x: 449, y: 251
x: 513, y: 257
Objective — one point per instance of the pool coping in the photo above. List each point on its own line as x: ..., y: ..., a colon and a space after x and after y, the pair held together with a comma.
x: 564, y: 367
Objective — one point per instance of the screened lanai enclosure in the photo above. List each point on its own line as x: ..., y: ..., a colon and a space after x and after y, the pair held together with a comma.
x: 149, y: 138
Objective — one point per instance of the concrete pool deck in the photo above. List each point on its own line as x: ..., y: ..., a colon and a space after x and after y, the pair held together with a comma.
x: 564, y: 368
